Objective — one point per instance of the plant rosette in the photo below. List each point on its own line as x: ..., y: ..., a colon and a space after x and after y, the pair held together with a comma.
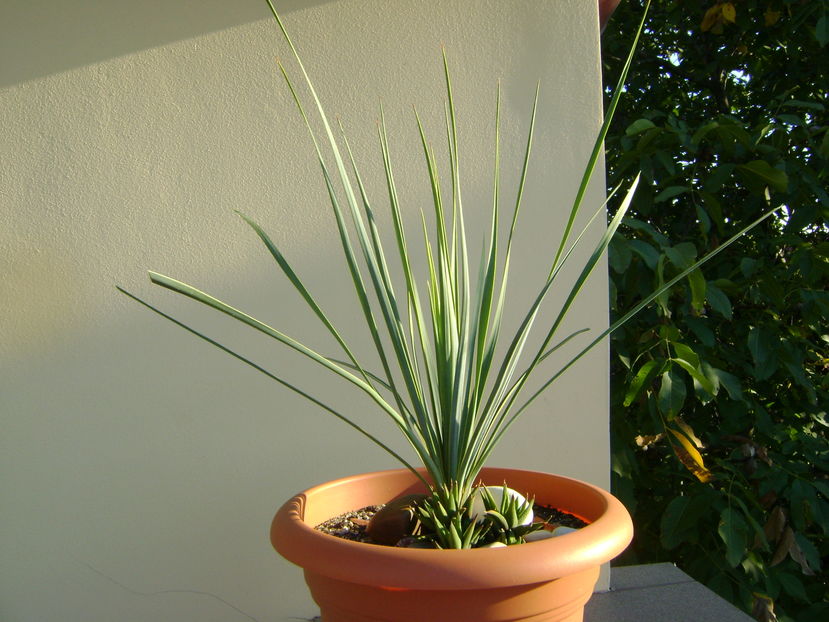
x: 548, y: 580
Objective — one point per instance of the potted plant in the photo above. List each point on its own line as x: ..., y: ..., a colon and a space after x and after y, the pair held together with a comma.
x: 450, y: 380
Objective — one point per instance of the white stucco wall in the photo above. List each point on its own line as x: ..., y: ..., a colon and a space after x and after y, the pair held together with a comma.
x: 139, y: 467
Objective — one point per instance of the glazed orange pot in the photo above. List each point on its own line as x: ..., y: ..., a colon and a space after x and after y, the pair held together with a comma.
x: 544, y: 581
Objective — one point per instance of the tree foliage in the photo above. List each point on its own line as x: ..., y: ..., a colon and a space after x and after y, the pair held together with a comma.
x: 720, y: 391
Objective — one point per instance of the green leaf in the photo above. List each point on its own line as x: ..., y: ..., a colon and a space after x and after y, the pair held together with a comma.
x: 281, y: 381
x: 718, y: 300
x: 824, y: 144
x: 704, y: 219
x: 763, y: 350
x: 619, y: 254
x: 498, y: 518
x: 718, y: 177
x: 674, y: 527
x: 647, y: 252
x: 791, y: 119
x: 793, y: 586
x: 698, y: 376
x: 648, y: 229
x: 666, y: 161
x: 701, y: 331
x: 748, y: 266
x: 671, y: 394
x: 682, y: 255
x: 822, y: 30
x: 686, y: 353
x: 731, y: 384
x: 820, y: 511
x: 670, y: 192
x: 643, y: 377
x: 722, y: 584
x: 823, y: 487
x: 696, y: 280
x: 639, y: 126
x: 733, y: 532
x: 703, y: 132
x: 762, y: 171
x: 799, y: 497
x: 796, y: 103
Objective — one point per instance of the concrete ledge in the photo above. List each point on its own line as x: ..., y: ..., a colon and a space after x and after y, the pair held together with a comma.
x: 659, y: 593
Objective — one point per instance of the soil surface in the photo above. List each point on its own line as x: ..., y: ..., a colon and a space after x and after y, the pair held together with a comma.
x: 352, y: 525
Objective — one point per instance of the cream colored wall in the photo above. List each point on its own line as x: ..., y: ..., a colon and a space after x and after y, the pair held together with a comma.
x: 140, y: 468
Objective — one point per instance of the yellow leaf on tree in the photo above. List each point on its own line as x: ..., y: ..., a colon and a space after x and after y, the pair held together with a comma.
x: 686, y: 429
x: 712, y: 17
x: 690, y: 457
x: 729, y: 13
x: 771, y: 16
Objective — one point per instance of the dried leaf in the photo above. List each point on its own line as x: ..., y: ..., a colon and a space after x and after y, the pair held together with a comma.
x: 798, y: 556
x: 645, y: 442
x: 690, y: 457
x: 763, y: 608
x: 771, y: 17
x: 782, y: 547
x: 773, y: 528
x: 763, y: 454
x: 768, y: 499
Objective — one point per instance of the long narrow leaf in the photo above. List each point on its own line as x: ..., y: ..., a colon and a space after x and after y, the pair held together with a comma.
x: 632, y: 312
x: 281, y: 381
x: 300, y: 287
x: 598, y: 146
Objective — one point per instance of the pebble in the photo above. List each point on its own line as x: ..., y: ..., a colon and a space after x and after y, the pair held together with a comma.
x: 395, y: 521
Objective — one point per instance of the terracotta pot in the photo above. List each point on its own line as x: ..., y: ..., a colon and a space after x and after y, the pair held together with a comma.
x: 545, y: 581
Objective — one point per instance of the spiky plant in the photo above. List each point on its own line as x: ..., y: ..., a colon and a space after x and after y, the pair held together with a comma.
x: 445, y: 518
x: 443, y: 380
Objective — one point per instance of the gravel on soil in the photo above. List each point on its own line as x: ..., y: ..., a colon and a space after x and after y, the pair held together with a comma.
x: 352, y: 525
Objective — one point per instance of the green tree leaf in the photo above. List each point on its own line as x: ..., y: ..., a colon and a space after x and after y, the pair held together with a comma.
x: 639, y: 126
x: 793, y: 586
x: 643, y: 377
x: 822, y: 30
x: 670, y: 192
x: 718, y: 301
x: 678, y: 521
x: 647, y: 252
x: 731, y: 384
x: 762, y: 347
x: 763, y: 172
x: 671, y: 394
x: 733, y: 532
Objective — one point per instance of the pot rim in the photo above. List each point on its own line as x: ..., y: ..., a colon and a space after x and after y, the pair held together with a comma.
x: 607, y: 535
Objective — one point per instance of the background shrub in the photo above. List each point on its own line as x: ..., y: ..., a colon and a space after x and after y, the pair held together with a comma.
x: 720, y: 392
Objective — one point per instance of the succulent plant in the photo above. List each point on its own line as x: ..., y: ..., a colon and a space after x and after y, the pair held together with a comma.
x: 449, y: 379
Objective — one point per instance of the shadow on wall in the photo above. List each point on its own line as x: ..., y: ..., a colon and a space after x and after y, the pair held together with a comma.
x: 42, y: 37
